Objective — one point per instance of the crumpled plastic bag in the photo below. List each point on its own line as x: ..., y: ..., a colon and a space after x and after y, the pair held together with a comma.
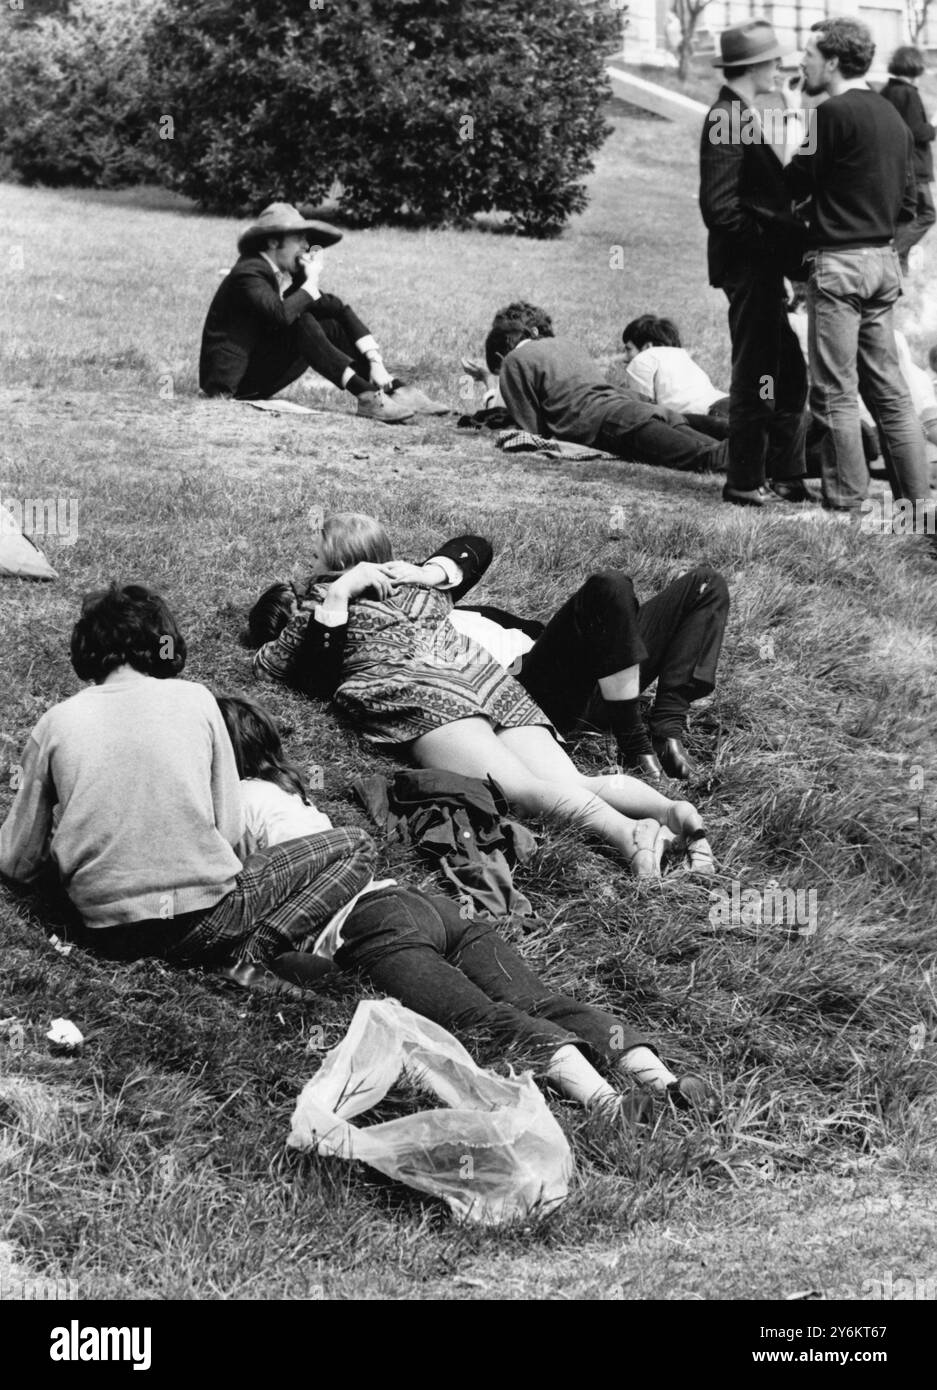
x: 496, y: 1155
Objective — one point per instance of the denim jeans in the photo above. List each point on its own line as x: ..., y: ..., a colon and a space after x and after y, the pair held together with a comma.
x: 462, y: 974
x: 850, y: 295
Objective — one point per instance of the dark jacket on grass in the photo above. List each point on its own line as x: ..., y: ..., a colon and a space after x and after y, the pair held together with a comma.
x: 744, y: 200
x: 246, y: 308
x: 906, y: 99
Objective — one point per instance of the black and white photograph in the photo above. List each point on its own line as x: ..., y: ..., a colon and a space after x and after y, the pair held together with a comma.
x: 468, y: 670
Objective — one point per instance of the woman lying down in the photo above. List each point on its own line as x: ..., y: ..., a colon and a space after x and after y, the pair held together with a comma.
x: 380, y: 637
x: 458, y: 972
x: 131, y: 795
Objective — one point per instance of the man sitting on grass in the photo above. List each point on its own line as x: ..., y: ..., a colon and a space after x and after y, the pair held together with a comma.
x: 552, y: 388
x: 130, y: 791
x: 269, y: 322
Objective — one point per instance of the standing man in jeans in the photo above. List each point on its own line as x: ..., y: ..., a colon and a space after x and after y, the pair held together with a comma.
x: 753, y: 241
x: 860, y: 179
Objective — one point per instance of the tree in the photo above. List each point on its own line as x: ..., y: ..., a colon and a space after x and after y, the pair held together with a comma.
x: 416, y: 110
x: 71, y: 95
x: 917, y: 11
x: 688, y: 12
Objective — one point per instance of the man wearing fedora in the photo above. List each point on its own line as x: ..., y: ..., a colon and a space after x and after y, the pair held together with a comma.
x: 859, y: 177
x: 754, y: 240
x: 269, y: 322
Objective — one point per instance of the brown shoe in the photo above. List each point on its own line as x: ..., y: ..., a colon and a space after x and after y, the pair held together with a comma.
x: 375, y: 405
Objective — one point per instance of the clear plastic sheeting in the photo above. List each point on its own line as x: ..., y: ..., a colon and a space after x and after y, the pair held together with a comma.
x: 495, y: 1155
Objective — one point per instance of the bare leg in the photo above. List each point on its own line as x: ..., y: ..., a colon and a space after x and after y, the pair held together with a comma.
x: 536, y: 747
x: 471, y: 747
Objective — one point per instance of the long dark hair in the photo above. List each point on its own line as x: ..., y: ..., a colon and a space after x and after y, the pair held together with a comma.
x: 258, y: 748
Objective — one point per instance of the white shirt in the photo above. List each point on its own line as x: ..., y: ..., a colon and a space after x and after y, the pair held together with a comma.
x: 506, y: 644
x: 669, y: 376
x: 273, y: 816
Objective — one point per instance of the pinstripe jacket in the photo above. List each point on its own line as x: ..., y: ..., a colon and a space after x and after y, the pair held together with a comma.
x: 743, y: 197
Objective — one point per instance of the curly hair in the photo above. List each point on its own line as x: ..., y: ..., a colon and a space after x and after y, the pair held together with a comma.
x: 848, y: 40
x: 511, y: 326
x: 126, y: 625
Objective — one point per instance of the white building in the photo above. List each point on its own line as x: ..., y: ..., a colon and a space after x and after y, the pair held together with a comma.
x: 647, y: 19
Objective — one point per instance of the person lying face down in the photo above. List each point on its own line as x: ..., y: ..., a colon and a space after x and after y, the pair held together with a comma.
x: 552, y: 388
x: 130, y: 794
x: 456, y: 970
x: 378, y: 637
x: 269, y: 321
x: 661, y: 370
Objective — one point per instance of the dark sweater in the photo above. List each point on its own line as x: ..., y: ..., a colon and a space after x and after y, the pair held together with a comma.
x: 553, y: 388
x: 906, y: 99
x: 860, y: 176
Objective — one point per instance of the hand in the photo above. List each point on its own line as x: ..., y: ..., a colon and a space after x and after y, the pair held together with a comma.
x: 478, y: 371
x: 380, y: 376
x: 402, y: 572
x: 364, y: 578
x: 311, y: 262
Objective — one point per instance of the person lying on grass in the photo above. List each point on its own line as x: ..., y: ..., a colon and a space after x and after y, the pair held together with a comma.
x: 375, y: 634
x: 269, y: 321
x: 456, y: 970
x: 552, y: 388
x: 661, y: 370
x: 129, y: 791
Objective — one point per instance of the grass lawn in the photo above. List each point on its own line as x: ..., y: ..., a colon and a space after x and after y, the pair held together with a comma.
x: 153, y: 1164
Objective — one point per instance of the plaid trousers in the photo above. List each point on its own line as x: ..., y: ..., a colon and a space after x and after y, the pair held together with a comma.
x: 281, y: 895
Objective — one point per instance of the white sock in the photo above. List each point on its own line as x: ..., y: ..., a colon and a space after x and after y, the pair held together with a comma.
x: 644, y: 1066
x: 577, y: 1078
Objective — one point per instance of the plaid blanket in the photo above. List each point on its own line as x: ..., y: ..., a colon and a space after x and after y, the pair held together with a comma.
x: 520, y: 441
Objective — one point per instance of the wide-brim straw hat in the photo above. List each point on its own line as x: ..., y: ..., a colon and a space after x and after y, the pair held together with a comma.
x: 280, y: 219
x: 744, y: 45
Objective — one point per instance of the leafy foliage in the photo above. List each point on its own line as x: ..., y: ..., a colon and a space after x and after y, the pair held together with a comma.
x: 420, y: 110
x: 72, y: 96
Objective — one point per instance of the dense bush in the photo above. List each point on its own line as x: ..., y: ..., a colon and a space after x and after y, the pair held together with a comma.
x: 423, y: 110
x: 72, y: 95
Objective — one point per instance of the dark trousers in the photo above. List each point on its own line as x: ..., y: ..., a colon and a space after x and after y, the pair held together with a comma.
x: 767, y: 421
x: 908, y: 234
x: 323, y: 338
x: 653, y: 434
x: 461, y: 974
x: 675, y: 638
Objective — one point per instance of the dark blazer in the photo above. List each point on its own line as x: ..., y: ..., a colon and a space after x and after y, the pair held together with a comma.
x: 744, y: 200
x: 906, y: 99
x: 318, y: 670
x: 246, y: 308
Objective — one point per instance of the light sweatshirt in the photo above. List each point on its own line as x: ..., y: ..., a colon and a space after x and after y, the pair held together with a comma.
x: 132, y: 788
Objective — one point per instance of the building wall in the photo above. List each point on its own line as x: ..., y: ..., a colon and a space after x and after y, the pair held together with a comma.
x: 791, y: 18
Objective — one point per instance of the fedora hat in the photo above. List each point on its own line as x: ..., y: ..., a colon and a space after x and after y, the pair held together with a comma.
x: 279, y: 219
x: 744, y: 45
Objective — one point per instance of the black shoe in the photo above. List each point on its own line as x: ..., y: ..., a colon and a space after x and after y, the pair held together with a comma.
x: 795, y: 491
x: 694, y: 1093
x: 674, y: 759
x: 747, y: 497
x: 643, y: 764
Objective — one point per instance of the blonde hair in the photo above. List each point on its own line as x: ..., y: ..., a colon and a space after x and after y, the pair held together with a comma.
x: 350, y: 537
